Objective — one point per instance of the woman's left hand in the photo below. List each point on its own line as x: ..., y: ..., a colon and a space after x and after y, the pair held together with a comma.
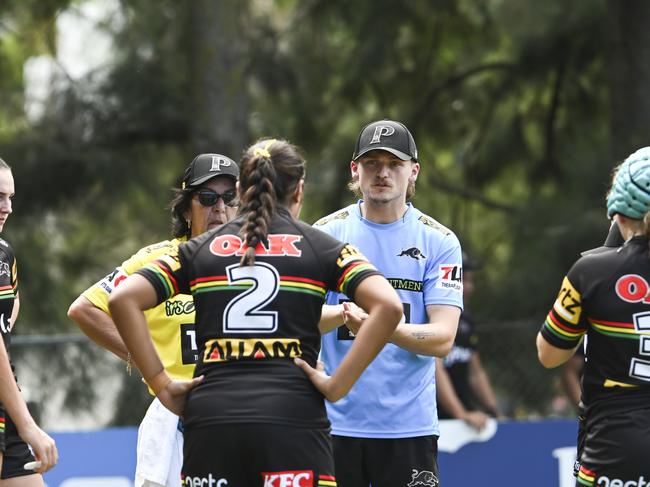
x: 174, y: 395
x: 320, y: 379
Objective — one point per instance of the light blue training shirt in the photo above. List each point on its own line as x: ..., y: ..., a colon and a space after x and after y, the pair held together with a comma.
x: 395, y: 397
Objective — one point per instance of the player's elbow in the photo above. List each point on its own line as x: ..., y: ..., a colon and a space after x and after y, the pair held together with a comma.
x: 76, y: 311
x: 392, y: 311
x: 116, y: 301
x: 445, y: 347
x: 548, y: 355
x: 546, y: 361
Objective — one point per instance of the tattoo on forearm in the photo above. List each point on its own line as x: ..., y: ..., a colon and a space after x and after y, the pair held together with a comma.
x: 422, y: 335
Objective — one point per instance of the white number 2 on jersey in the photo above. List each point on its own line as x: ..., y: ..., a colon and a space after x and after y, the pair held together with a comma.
x: 243, y: 313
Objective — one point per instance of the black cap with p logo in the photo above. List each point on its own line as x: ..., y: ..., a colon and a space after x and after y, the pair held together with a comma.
x: 386, y: 135
x: 206, y: 166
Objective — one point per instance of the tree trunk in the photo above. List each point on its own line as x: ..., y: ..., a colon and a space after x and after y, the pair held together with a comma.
x: 629, y: 75
x: 219, y: 102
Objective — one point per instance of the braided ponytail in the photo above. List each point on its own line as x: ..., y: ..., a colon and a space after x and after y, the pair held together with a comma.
x: 270, y: 171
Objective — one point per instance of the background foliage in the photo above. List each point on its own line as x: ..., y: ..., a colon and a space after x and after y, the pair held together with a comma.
x: 520, y: 109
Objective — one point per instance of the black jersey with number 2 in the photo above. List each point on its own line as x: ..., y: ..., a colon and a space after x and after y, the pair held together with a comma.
x: 607, y: 297
x: 251, y: 321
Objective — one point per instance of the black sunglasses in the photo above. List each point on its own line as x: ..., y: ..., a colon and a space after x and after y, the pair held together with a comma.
x: 207, y: 197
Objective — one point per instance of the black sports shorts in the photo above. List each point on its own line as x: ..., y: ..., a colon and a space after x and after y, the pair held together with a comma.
x: 16, y: 452
x: 264, y: 455
x: 386, y: 462
x: 616, y: 450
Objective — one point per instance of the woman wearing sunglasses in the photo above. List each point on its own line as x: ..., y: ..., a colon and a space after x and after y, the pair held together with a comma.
x: 205, y: 200
x: 16, y: 424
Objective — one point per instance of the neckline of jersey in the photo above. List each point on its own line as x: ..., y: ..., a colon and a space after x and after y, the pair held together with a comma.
x: 384, y: 226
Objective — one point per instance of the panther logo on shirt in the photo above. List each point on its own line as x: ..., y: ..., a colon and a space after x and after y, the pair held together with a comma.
x: 414, y: 253
x: 4, y: 269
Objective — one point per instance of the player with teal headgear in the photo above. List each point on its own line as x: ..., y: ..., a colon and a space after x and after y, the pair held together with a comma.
x: 630, y: 193
x: 604, y: 298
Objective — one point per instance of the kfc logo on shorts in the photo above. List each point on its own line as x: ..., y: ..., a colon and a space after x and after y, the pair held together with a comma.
x: 293, y: 478
x: 450, y: 277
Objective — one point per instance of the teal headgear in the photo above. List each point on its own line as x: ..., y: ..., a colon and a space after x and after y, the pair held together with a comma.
x: 630, y: 193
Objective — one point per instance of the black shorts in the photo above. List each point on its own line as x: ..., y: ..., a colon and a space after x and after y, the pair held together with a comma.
x: 409, y: 462
x: 16, y: 453
x: 263, y: 455
x: 616, y: 447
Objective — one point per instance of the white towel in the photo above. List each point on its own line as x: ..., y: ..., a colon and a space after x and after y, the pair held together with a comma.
x: 160, y: 448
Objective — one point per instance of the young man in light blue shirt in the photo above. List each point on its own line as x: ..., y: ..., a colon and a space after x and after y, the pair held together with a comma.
x: 385, y: 430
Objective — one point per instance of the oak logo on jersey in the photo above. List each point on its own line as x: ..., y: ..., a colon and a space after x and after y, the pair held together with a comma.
x: 567, y: 304
x: 226, y: 349
x: 278, y: 245
x: 4, y: 269
x: 289, y: 478
x: 349, y: 253
x: 413, y: 252
x: 633, y: 289
x: 450, y: 277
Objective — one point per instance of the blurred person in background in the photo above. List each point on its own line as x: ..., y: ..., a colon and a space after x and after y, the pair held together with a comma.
x: 385, y: 432
x: 605, y: 297
x: 464, y: 390
x: 205, y: 200
x: 254, y: 417
x: 17, y: 427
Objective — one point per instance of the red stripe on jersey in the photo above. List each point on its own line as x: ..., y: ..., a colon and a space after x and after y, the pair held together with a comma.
x: 556, y: 321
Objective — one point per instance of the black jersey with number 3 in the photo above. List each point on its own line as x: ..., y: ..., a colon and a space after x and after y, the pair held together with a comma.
x: 607, y: 296
x: 251, y: 321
